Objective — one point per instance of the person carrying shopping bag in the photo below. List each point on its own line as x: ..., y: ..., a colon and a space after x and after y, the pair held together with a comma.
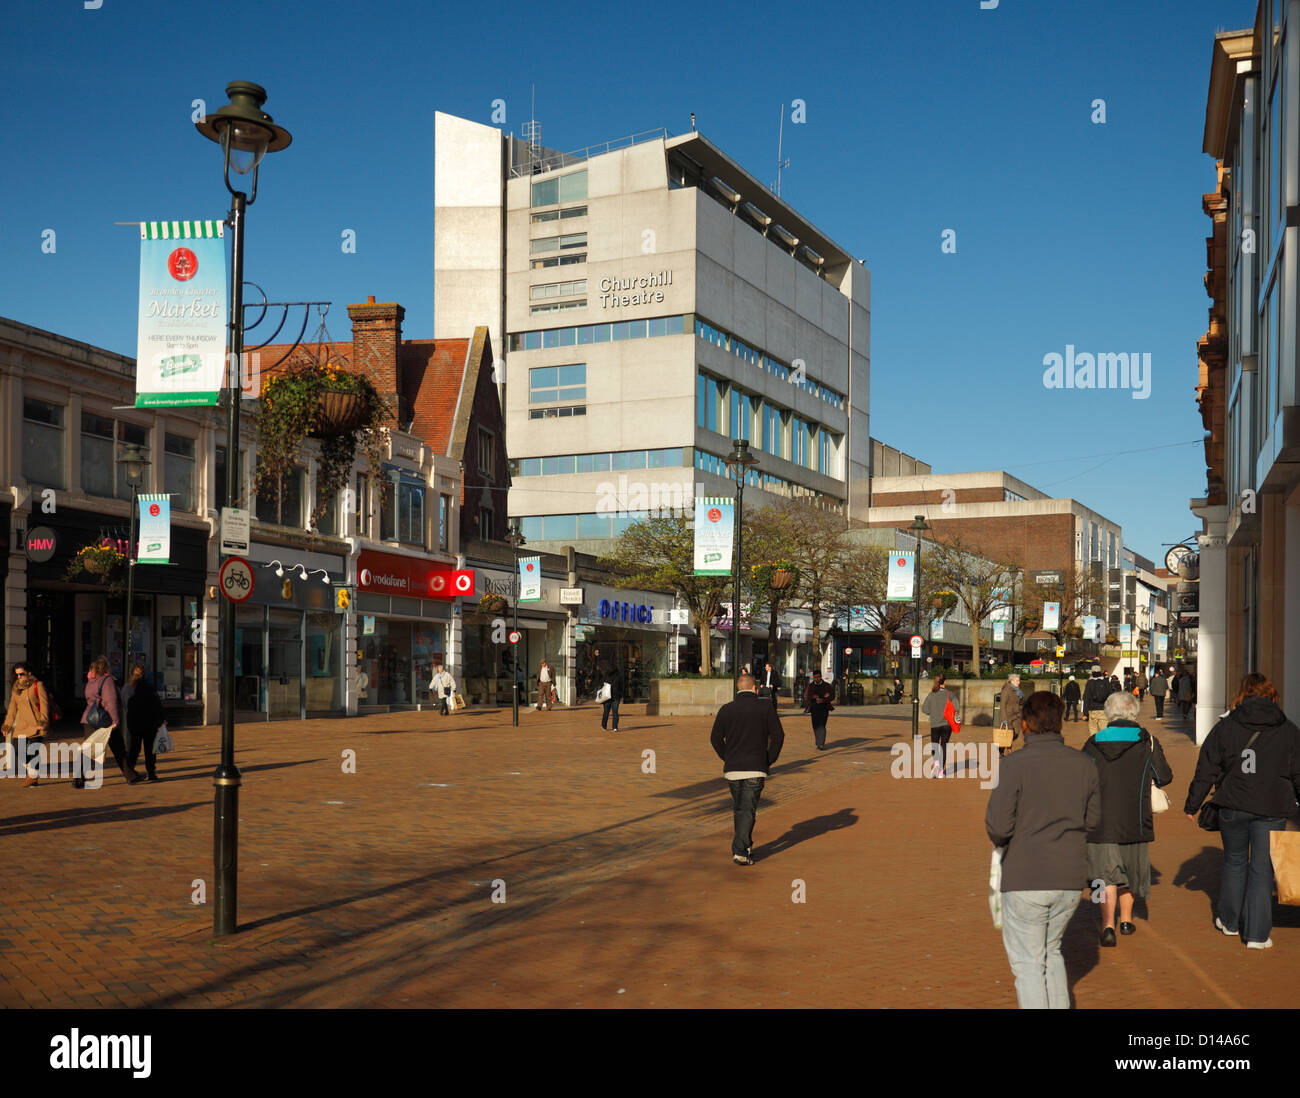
x: 103, y: 703
x: 144, y: 716
x: 443, y: 687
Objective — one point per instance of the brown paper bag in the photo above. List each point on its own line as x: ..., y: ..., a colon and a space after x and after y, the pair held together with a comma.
x: 1285, y: 849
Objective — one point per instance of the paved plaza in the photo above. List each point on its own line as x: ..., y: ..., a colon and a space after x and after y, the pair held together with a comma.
x: 379, y: 887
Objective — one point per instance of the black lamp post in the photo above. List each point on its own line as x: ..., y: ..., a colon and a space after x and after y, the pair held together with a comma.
x: 918, y: 527
x: 516, y: 538
x: 740, y: 459
x: 133, y: 463
x: 246, y: 134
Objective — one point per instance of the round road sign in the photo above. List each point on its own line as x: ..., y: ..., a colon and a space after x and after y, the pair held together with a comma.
x: 515, y: 636
x: 916, y: 639
x: 236, y: 579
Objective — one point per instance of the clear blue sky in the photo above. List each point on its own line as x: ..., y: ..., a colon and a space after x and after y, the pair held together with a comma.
x: 920, y: 118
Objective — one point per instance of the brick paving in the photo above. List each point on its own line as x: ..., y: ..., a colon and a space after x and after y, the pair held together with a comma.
x: 376, y: 888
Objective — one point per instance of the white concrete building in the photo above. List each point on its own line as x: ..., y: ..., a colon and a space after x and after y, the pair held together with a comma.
x: 655, y: 301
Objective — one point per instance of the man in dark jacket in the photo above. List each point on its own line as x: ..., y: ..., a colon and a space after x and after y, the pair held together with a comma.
x: 1046, y: 801
x: 747, y: 737
x: 819, y: 699
x: 1071, y: 695
x: 1094, y: 701
x: 1159, y: 688
x: 771, y: 684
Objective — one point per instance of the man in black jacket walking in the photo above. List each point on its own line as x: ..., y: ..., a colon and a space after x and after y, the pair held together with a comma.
x: 1094, y: 702
x: 747, y: 737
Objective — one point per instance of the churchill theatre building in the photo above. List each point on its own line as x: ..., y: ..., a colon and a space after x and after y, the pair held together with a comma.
x: 653, y: 302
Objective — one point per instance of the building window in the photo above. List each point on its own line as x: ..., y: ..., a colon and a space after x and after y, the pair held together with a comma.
x: 327, y: 524
x: 547, y: 384
x: 43, y: 443
x: 97, y: 433
x: 560, y: 189
x: 444, y: 522
x: 557, y: 289
x: 557, y: 306
x: 281, y: 505
x: 219, y: 500
x: 560, y: 215
x: 558, y: 261
x: 486, y: 528
x: 486, y: 450
x: 561, y: 412
x: 178, y: 470
x: 565, y: 242
x: 362, y: 524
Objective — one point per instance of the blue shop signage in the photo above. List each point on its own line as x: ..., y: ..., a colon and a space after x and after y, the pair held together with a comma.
x: 626, y: 611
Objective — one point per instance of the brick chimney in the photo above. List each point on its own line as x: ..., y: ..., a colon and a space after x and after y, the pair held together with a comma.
x: 376, y: 339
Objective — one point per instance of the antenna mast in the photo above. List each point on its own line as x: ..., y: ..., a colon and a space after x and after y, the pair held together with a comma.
x: 780, y: 163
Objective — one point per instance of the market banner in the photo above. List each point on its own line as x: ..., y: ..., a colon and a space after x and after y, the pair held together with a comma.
x: 902, y: 575
x: 1125, y: 635
x: 1051, y: 616
x: 181, y: 344
x: 155, y: 544
x: 1002, y: 611
x: 999, y: 631
x: 714, y: 518
x: 936, y: 629
x: 1162, y: 643
x: 855, y: 621
x: 530, y: 579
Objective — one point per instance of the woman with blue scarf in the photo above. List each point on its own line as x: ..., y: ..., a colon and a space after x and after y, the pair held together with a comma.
x: 1128, y: 760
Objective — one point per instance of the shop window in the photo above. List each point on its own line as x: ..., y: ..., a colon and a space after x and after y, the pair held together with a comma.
x: 43, y: 443
x: 178, y: 470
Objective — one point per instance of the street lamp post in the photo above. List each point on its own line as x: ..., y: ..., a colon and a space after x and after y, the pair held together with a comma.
x: 246, y: 134
x: 516, y: 538
x: 918, y: 527
x: 133, y: 462
x: 740, y: 459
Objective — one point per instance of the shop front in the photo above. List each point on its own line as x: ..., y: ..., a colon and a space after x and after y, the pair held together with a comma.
x: 72, y: 619
x: 289, y: 639
x: 403, y: 609
x: 624, y: 630
x: 492, y: 663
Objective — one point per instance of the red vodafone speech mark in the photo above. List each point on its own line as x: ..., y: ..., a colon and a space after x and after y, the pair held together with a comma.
x: 182, y: 264
x: 714, y: 514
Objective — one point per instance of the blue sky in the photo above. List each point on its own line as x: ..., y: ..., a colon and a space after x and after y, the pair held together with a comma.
x: 919, y: 119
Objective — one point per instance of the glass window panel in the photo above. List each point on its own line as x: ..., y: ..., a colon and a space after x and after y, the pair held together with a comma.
x: 532, y: 341
x: 674, y: 325
x: 546, y: 192
x: 178, y: 444
x: 542, y: 377
x: 657, y: 326
x: 575, y: 374
x: 178, y: 479
x: 636, y: 329
x: 550, y: 338
x: 99, y: 426
x: 574, y: 211
x: 530, y: 467
x: 701, y: 401
x: 43, y: 454
x: 573, y: 187
x: 594, y: 526
x: 585, y: 335
x: 541, y: 396
x: 567, y: 337
x: 559, y: 526
x: 664, y: 459
x: 618, y: 331
x: 602, y: 333
x: 97, y: 464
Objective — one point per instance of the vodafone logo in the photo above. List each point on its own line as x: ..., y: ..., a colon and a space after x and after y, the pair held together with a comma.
x: 366, y: 577
x: 438, y: 583
x: 464, y: 583
x: 714, y: 514
x: 182, y: 264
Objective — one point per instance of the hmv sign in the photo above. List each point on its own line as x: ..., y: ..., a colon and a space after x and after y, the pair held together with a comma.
x: 411, y: 577
x: 40, y: 544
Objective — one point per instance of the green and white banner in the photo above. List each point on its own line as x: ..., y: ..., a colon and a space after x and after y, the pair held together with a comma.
x: 181, y: 347
x: 714, y: 519
x: 155, y: 529
x: 530, y: 579
x: 999, y: 631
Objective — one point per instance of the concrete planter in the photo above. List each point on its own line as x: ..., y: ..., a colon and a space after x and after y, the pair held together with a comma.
x: 687, y: 697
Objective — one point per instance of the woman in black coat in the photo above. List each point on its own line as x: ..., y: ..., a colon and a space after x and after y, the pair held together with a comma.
x: 144, y: 713
x: 614, y: 677
x: 1251, y: 758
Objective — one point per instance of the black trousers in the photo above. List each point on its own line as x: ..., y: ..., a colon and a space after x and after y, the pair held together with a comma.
x: 140, y: 737
x: 939, y: 737
x: 744, y: 804
x: 1160, y: 704
x: 820, y: 715
x: 1071, y: 707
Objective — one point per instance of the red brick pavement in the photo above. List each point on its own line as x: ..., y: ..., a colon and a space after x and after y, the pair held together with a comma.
x: 375, y: 888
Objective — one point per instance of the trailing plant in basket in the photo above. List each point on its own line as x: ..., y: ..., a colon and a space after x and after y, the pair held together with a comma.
x: 103, y: 561
x: 293, y: 409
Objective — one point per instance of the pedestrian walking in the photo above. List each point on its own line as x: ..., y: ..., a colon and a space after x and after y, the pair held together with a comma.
x: 771, y: 684
x: 1251, y: 760
x: 613, y: 678
x: 545, y: 685
x: 1071, y: 696
x: 1186, y: 692
x: 1128, y: 760
x: 1094, y: 698
x: 747, y: 737
x: 143, y: 710
x: 443, y: 688
x: 27, y: 718
x: 101, y: 690
x: 1159, y: 688
x: 897, y: 695
x: 818, y: 701
x: 1045, y: 803
x: 1009, y: 709
x: 935, y: 707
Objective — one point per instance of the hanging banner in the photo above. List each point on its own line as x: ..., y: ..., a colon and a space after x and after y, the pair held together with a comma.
x: 1089, y: 627
x: 155, y: 529
x: 1001, y: 611
x: 1162, y: 643
x: 1051, y: 616
x: 714, y: 519
x: 181, y: 343
x: 902, y: 575
x: 999, y: 632
x: 530, y: 579
x: 936, y: 629
x: 1125, y: 635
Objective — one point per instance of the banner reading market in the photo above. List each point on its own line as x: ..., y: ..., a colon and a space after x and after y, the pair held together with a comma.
x: 902, y: 573
x: 181, y: 346
x: 530, y: 579
x: 714, y: 517
x: 155, y: 544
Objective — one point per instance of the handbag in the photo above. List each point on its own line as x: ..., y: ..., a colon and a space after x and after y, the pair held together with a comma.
x: 604, y: 693
x: 460, y: 700
x: 1003, y: 737
x: 1207, y: 819
x: 97, y: 716
x: 1159, y: 798
x: 163, y: 740
x: 1284, y: 846
x: 995, y: 886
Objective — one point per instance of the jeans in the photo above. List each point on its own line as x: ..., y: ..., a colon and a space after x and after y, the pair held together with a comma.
x: 744, y: 804
x: 1071, y: 710
x: 1160, y: 705
x: 609, y: 708
x: 1033, y: 924
x: 1246, y: 885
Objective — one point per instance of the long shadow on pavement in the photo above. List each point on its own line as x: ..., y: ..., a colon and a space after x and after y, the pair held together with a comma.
x: 75, y: 817
x: 805, y: 830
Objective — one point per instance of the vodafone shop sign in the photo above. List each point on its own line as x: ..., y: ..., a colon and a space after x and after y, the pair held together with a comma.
x: 410, y: 577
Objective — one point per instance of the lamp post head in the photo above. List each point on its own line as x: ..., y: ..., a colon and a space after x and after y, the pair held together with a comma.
x: 740, y: 458
x: 244, y: 131
x: 133, y: 461
x: 919, y: 526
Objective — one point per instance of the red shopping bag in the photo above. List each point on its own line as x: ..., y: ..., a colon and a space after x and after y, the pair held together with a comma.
x: 950, y: 715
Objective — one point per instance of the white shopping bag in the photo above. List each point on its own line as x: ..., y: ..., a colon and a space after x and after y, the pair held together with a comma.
x: 93, y: 745
x: 604, y: 693
x: 163, y: 740
x: 451, y: 703
x: 995, y: 886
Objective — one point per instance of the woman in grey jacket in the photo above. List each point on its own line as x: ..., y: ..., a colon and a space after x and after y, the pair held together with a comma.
x: 940, y: 732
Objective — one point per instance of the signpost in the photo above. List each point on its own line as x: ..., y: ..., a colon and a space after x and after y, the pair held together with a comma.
x: 236, y: 579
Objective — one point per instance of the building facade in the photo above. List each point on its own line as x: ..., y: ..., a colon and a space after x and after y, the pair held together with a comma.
x: 653, y: 302
x: 1248, y: 388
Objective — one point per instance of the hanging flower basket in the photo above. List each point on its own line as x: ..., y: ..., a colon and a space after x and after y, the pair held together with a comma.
x: 781, y: 579
x: 492, y: 604
x: 100, y: 560
x: 340, y: 413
